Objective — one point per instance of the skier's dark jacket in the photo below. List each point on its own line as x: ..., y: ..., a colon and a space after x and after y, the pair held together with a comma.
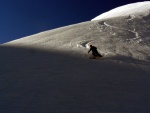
x: 93, y: 49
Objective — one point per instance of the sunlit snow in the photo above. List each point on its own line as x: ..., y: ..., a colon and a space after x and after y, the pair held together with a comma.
x: 126, y: 10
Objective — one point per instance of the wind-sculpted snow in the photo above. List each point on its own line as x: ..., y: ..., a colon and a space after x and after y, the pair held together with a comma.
x: 50, y: 72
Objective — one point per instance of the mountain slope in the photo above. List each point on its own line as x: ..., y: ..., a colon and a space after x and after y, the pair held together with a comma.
x: 51, y: 72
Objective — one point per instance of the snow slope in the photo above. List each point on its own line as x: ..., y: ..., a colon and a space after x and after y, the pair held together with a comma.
x: 126, y: 10
x: 50, y: 72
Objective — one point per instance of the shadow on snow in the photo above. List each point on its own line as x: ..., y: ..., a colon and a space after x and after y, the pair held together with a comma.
x: 37, y: 81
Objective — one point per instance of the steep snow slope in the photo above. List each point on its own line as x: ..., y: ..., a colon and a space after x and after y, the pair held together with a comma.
x: 126, y: 10
x: 51, y: 72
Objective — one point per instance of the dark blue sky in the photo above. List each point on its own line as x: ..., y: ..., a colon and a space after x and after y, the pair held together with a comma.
x: 20, y: 18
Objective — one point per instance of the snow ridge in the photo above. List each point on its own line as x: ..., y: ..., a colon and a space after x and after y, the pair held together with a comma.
x: 126, y: 10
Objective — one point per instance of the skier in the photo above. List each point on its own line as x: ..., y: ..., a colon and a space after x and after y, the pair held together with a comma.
x: 94, y: 51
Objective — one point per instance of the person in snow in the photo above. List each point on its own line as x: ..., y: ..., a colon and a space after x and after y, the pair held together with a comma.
x: 94, y: 51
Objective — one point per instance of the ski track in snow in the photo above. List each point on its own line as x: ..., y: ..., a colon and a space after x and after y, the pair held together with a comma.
x: 136, y: 33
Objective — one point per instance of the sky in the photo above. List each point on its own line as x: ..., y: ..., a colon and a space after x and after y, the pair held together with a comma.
x: 20, y: 18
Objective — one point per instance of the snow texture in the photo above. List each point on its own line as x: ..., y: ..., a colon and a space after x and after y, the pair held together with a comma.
x: 50, y: 72
x: 126, y: 10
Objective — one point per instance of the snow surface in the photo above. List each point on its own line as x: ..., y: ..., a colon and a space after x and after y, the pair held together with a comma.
x: 50, y: 72
x: 126, y: 10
